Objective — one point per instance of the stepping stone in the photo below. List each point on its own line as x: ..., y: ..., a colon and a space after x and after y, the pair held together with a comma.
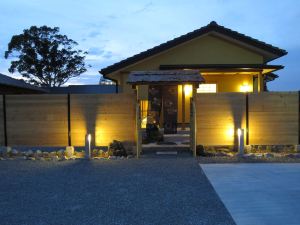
x: 166, y: 153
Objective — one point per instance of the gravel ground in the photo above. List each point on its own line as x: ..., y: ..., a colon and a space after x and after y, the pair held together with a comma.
x: 166, y: 190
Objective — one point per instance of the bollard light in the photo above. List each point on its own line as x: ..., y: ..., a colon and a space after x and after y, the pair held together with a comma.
x: 88, y: 139
x: 240, y: 133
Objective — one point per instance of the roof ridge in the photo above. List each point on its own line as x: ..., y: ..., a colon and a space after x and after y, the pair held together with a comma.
x: 212, y: 26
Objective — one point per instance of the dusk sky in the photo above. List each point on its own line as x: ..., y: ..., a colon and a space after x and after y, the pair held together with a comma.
x: 113, y: 30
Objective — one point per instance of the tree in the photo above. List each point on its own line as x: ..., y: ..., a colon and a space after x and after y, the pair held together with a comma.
x: 45, y: 57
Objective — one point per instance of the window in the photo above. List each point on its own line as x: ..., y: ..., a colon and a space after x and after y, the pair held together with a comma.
x: 207, y: 88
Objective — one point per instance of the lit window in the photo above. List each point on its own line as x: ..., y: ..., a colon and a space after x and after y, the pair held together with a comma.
x: 207, y: 88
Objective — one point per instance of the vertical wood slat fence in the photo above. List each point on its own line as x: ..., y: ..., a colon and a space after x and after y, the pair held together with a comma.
x: 60, y: 120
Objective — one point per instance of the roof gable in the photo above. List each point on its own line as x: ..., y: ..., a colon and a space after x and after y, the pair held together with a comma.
x: 212, y: 27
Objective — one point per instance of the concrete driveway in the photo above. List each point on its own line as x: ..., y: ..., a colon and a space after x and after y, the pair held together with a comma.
x: 160, y: 191
x: 258, y: 193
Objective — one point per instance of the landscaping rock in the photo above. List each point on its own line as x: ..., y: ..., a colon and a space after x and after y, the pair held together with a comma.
x: 116, y: 148
x: 129, y: 156
x: 249, y: 155
x: 200, y: 150
x: 29, y: 153
x: 112, y: 157
x: 55, y: 158
x: 269, y: 155
x: 69, y: 152
x: 259, y: 155
x: 220, y: 154
x: 14, y: 152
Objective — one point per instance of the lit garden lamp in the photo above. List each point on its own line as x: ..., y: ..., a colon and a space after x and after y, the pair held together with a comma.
x: 240, y: 133
x: 88, y: 139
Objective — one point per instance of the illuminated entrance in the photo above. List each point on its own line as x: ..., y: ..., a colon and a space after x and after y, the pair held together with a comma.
x: 164, y: 99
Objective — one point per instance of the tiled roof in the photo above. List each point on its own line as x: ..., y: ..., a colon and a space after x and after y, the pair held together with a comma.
x: 9, y: 81
x: 213, y: 26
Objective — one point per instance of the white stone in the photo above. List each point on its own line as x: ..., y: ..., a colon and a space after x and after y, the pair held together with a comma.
x: 39, y: 152
x: 55, y: 158
x: 29, y: 153
x: 8, y: 149
x: 297, y: 148
x: 112, y: 157
x: 269, y: 155
x: 14, y: 152
x: 69, y: 152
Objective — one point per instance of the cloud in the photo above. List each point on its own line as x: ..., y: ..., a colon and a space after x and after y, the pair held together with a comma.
x: 94, y: 34
x: 146, y: 7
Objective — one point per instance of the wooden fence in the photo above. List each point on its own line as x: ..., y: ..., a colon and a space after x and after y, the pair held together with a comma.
x: 270, y: 118
x: 60, y: 120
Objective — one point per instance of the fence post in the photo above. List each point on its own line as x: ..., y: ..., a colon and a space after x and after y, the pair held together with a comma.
x: 69, y: 120
x: 247, y: 118
x: 138, y: 129
x: 4, y: 120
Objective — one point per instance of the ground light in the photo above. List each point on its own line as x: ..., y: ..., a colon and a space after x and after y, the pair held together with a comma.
x: 240, y: 133
x: 88, y: 139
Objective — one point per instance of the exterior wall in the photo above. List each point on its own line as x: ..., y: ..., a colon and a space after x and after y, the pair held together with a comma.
x: 42, y: 120
x: 273, y: 118
x: 230, y: 83
x: 203, y: 50
x: 207, y: 49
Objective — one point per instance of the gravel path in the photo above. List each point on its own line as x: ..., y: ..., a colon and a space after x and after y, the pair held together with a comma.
x: 163, y: 191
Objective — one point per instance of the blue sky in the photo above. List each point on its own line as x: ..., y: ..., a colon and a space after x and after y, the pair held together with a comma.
x: 114, y: 30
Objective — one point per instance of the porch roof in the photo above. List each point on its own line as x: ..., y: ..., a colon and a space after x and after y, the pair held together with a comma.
x: 165, y: 77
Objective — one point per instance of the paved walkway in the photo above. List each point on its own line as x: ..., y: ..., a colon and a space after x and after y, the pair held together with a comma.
x: 149, y: 191
x: 258, y: 194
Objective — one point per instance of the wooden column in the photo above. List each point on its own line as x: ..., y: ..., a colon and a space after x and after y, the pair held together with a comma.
x: 260, y: 82
x: 194, y: 122
x: 183, y: 109
x: 138, y: 124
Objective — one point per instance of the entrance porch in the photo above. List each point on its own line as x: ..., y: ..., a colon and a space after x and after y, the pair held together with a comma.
x: 157, y: 104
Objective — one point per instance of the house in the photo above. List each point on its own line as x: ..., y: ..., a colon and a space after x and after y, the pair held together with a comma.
x: 226, y: 61
x: 9, y: 85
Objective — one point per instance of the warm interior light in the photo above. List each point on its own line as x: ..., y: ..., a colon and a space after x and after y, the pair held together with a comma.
x: 245, y: 88
x: 207, y: 88
x: 188, y: 89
